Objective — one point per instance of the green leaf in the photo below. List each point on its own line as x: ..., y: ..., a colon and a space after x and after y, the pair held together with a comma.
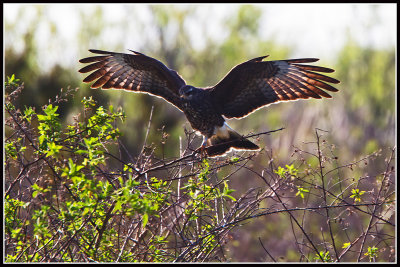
x: 11, y: 80
x: 301, y: 191
x: 145, y: 219
x: 356, y: 194
x: 345, y: 245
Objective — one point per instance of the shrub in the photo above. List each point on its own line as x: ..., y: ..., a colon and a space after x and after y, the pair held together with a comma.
x: 65, y: 200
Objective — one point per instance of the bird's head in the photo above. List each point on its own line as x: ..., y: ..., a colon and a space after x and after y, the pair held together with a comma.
x: 187, y: 92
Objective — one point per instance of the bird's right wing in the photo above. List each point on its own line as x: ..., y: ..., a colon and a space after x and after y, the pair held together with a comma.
x: 133, y: 72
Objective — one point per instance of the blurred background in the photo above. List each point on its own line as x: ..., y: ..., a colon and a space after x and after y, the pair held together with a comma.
x: 43, y: 43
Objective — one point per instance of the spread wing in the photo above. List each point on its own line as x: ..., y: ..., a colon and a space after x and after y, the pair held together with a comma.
x: 256, y: 83
x: 133, y: 72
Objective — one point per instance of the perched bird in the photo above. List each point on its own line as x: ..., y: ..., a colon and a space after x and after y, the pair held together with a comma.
x: 246, y: 88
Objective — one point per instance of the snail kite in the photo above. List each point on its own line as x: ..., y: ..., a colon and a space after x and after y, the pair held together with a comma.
x: 246, y: 88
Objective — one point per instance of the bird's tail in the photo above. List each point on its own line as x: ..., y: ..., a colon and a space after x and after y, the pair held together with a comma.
x: 226, y: 139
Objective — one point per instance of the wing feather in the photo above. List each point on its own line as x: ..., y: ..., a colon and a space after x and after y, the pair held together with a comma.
x: 133, y: 72
x: 306, y: 93
x: 308, y: 84
x: 314, y: 78
x: 313, y: 68
x: 256, y: 83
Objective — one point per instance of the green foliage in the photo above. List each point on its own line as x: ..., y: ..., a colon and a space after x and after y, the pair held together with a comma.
x: 203, y: 195
x: 74, y: 157
x: 346, y: 245
x: 28, y: 113
x: 289, y: 172
x: 13, y: 148
x: 301, y: 191
x: 324, y: 256
x: 81, y: 144
x: 14, y: 225
x: 130, y: 200
x: 49, y: 128
x: 71, y: 206
x: 11, y: 81
x: 372, y: 253
x: 356, y: 194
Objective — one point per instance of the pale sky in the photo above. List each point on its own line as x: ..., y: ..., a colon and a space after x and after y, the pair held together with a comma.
x: 325, y: 26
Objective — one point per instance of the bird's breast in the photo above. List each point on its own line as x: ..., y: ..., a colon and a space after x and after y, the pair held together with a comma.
x: 202, y: 116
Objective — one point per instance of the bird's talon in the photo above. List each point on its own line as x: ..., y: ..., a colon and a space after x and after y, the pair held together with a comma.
x: 202, y: 150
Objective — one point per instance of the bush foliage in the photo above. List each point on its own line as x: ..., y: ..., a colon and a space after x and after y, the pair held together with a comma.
x: 70, y: 196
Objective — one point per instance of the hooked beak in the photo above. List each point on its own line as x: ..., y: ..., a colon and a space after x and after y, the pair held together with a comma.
x: 183, y: 96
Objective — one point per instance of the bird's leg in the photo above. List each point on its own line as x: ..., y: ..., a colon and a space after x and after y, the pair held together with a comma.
x: 202, y: 148
x: 204, y: 141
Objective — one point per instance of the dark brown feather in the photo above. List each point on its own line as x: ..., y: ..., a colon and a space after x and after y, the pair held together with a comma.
x: 135, y: 72
x: 255, y: 83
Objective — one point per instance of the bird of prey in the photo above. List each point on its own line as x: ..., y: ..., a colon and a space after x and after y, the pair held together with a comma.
x: 247, y: 87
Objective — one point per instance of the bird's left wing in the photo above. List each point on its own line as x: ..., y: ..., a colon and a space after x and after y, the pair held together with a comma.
x: 257, y: 83
x: 133, y: 72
